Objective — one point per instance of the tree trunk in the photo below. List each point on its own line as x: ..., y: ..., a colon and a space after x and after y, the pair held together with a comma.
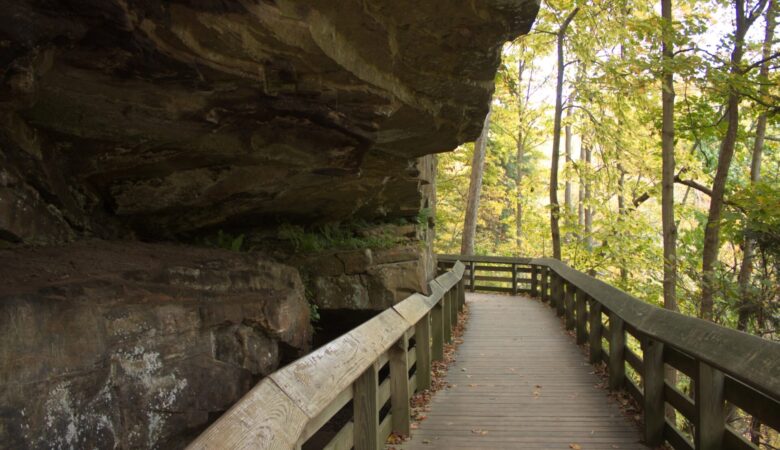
x: 588, y: 208
x: 712, y: 230
x: 668, y: 164
x: 475, y: 187
x: 520, y: 156
x: 746, y: 305
x: 555, y: 230
x: 567, y: 150
x: 622, y: 217
x: 581, y: 189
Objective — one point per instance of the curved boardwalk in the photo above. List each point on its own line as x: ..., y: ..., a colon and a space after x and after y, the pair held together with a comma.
x: 519, y: 382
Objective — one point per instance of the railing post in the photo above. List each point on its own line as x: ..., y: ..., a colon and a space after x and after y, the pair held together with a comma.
x: 560, y: 308
x: 422, y: 349
x: 366, y: 410
x: 568, y: 304
x: 617, y: 349
x: 472, y: 275
x: 545, y: 290
x: 534, y: 281
x: 461, y: 294
x: 514, y: 279
x: 594, y: 335
x: 437, y: 331
x: 582, y: 333
x: 399, y: 386
x: 653, y: 380
x: 453, y: 293
x: 446, y: 301
x: 710, y: 411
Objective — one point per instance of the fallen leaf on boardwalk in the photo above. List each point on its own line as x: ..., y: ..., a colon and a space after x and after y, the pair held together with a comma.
x: 472, y: 385
x: 463, y: 369
x: 414, y: 425
x: 575, y: 446
x: 426, y: 441
x: 538, y: 386
x: 479, y: 432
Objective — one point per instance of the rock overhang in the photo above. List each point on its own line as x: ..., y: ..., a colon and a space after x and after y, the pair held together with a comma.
x: 161, y: 118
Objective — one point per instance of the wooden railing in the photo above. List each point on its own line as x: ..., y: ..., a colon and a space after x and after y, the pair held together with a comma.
x: 726, y: 368
x: 373, y: 371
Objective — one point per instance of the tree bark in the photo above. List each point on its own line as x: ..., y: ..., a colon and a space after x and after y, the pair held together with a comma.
x: 520, y: 156
x: 555, y: 208
x: 586, y: 197
x: 746, y: 268
x: 567, y: 149
x: 475, y: 188
x: 668, y: 163
x: 712, y: 230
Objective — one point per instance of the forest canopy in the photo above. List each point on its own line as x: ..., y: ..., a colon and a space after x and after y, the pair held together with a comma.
x: 722, y: 59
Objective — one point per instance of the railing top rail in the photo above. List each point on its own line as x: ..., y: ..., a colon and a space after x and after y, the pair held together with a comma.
x: 276, y: 411
x: 485, y: 259
x: 747, y: 358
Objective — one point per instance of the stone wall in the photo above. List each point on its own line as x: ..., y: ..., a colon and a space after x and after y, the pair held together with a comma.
x: 168, y: 121
x: 132, y: 345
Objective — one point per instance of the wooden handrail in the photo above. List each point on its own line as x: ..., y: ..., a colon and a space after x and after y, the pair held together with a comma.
x: 289, y: 406
x: 724, y: 364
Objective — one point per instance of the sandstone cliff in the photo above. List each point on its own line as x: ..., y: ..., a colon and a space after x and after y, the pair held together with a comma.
x: 124, y: 121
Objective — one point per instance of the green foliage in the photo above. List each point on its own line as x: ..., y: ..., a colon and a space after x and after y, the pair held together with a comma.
x: 226, y: 241
x: 334, y: 237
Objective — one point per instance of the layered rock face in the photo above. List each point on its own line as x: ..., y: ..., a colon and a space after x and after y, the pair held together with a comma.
x: 129, y: 345
x: 160, y: 118
x: 130, y: 120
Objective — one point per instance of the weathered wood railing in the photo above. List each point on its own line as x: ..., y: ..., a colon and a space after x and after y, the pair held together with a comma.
x: 373, y: 368
x: 724, y: 366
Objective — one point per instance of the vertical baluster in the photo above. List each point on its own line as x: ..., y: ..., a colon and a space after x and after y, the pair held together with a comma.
x: 446, y: 327
x: 582, y: 333
x: 617, y: 348
x: 399, y: 386
x: 453, y: 293
x: 653, y: 380
x: 461, y: 294
x: 437, y: 331
x: 366, y: 410
x: 710, y: 407
x: 514, y: 279
x: 596, y: 330
x: 545, y: 290
x: 560, y: 307
x: 568, y: 304
x: 472, y: 274
x: 534, y: 281
x: 422, y: 349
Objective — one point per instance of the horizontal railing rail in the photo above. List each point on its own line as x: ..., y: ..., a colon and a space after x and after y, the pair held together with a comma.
x: 723, y: 365
x: 374, y: 369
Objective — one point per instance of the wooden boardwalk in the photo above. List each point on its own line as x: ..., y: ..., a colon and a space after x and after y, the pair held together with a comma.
x: 519, y: 382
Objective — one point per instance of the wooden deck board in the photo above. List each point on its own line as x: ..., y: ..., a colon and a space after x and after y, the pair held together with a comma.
x: 519, y: 382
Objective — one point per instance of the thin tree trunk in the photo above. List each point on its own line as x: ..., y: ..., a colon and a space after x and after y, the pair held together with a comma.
x: 712, y: 230
x: 475, y: 188
x: 746, y: 269
x: 520, y: 156
x: 581, y: 188
x: 622, y: 217
x: 555, y: 230
x: 588, y: 207
x: 668, y: 164
x: 567, y: 149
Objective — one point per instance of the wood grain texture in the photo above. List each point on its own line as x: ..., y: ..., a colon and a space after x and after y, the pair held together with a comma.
x: 314, y: 380
x: 366, y: 410
x: 519, y: 382
x: 399, y: 386
x: 265, y: 418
